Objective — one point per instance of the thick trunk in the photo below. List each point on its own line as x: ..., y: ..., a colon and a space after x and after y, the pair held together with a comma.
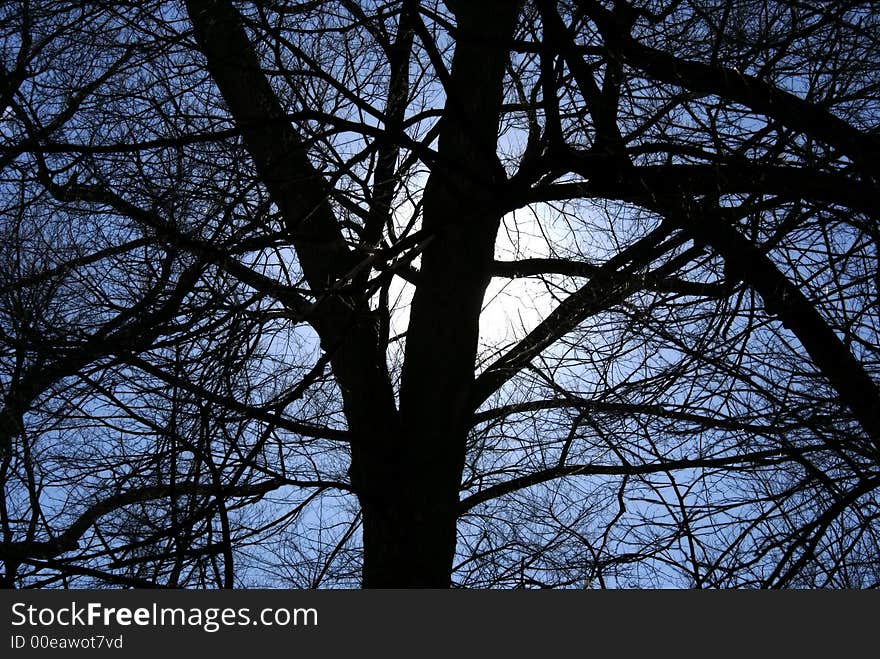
x: 410, y: 517
x: 410, y: 531
x: 406, y: 466
x: 404, y: 551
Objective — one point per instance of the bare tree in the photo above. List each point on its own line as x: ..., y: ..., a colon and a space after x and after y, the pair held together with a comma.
x: 426, y: 294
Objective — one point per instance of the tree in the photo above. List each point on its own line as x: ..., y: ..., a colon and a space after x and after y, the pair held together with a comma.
x: 538, y: 293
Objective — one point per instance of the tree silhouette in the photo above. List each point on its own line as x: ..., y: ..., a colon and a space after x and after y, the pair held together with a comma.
x: 540, y: 293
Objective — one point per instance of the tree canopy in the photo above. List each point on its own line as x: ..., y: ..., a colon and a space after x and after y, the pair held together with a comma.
x: 413, y: 293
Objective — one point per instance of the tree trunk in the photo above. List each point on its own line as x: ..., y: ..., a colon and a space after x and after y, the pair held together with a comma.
x: 411, y: 511
x: 410, y: 530
x: 406, y: 466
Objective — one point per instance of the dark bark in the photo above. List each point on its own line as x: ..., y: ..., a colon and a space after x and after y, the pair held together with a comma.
x: 728, y: 83
x: 441, y: 346
x: 785, y: 301
x: 348, y: 329
x: 407, y: 473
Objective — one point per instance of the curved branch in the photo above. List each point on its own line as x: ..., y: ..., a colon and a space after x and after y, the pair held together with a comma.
x: 766, y: 458
x: 650, y: 184
x: 810, y: 118
x: 613, y: 282
x: 69, y: 539
x: 569, y: 267
x: 784, y: 299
